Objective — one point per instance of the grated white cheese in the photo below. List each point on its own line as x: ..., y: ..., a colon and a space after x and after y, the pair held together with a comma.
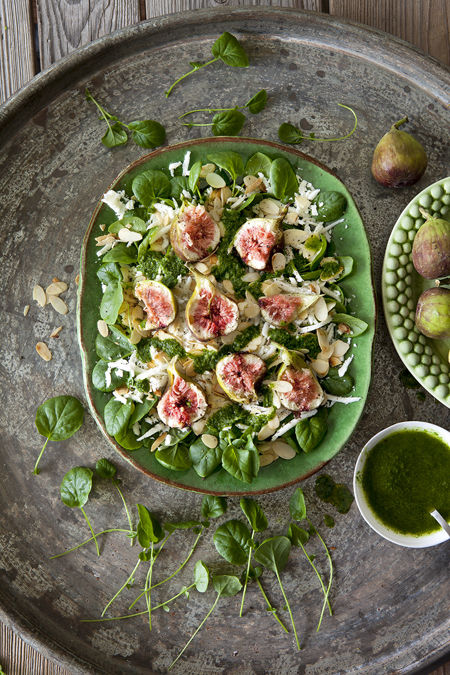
x: 343, y: 369
x: 343, y: 399
x: 286, y: 427
x: 313, y: 326
x: 152, y: 431
x: 173, y: 166
x: 114, y: 200
x: 186, y: 160
x: 331, y: 225
x: 265, y: 329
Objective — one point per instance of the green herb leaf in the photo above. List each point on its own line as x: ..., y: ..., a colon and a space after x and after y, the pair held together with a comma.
x: 109, y: 273
x: 76, y: 487
x: 287, y: 133
x: 116, y: 135
x: 356, y: 326
x: 127, y: 439
x: 147, y: 133
x: 121, y: 253
x: 337, y: 385
x: 226, y: 585
x: 213, y: 507
x: 99, y: 377
x: 149, y: 529
x: 241, y: 461
x: 141, y: 410
x: 273, y: 553
x: 194, y: 175
x: 258, y: 163
x: 297, y: 506
x: 230, y: 51
x: 105, y: 468
x: 254, y: 514
x: 111, y: 302
x: 228, y: 122
x: 150, y: 185
x: 257, y: 102
x: 204, y: 460
x: 310, y: 431
x: 229, y: 161
x: 283, y: 179
x: 201, y: 576
x: 297, y: 535
x: 175, y: 457
x: 330, y: 205
x: 117, y: 415
x: 59, y: 417
x: 112, y: 347
x: 232, y: 540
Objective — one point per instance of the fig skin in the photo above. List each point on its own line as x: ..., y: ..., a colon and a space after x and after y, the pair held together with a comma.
x: 194, y: 221
x: 433, y: 313
x: 431, y: 248
x: 205, y: 317
x: 247, y: 369
x: 307, y: 394
x: 256, y: 239
x: 399, y: 159
x: 160, y: 311
x: 183, y: 403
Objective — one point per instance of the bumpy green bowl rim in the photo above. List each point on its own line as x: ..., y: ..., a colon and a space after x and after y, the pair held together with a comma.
x: 426, y: 359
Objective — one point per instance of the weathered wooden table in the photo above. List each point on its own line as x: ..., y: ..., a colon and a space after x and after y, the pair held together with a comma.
x: 36, y: 34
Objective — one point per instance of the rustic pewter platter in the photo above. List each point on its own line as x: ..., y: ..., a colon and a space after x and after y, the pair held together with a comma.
x: 389, y: 602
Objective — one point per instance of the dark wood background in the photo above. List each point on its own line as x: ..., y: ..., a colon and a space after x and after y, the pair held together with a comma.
x: 36, y: 33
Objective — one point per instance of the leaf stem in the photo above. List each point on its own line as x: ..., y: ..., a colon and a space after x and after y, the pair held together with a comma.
x: 130, y: 523
x: 246, y: 574
x: 35, y: 470
x: 321, y: 582
x: 330, y: 564
x: 271, y: 607
x: 339, y: 138
x: 104, y: 113
x: 195, y: 633
x: 194, y: 70
x: 289, y: 608
x: 92, y: 531
x: 183, y: 563
x: 148, y: 588
x: 196, y: 124
x: 401, y: 122
x: 83, y: 543
x: 151, y: 587
x: 210, y: 110
x: 122, y: 587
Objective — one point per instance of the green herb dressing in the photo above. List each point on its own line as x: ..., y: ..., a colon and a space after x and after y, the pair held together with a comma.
x: 405, y: 476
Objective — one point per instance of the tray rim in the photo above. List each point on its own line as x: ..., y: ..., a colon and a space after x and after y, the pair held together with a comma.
x: 25, y: 100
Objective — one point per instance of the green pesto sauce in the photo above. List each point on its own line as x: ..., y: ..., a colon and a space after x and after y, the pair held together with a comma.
x: 405, y: 476
x: 333, y: 493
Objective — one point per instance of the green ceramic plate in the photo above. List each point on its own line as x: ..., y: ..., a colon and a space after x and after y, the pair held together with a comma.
x: 358, y: 286
x: 426, y: 359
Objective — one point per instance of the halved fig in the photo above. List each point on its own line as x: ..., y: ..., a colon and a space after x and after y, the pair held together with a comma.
x: 209, y: 313
x: 255, y: 240
x: 238, y: 374
x: 159, y: 303
x: 281, y: 309
x: 183, y: 402
x: 194, y: 235
x: 306, y: 393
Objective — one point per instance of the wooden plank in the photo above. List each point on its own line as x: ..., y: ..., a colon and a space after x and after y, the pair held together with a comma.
x: 157, y: 7
x: 425, y: 23
x: 16, y: 46
x: 65, y: 25
x: 18, y: 658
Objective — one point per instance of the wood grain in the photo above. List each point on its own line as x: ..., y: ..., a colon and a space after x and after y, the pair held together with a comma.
x: 18, y: 658
x: 425, y: 23
x: 16, y: 46
x: 157, y: 7
x: 65, y: 25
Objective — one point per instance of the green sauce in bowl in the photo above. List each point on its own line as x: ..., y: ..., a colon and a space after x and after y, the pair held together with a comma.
x: 405, y: 476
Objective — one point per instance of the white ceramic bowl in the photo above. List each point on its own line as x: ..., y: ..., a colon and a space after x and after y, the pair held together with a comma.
x: 411, y: 541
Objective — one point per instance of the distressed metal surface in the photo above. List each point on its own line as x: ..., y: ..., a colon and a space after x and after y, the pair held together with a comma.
x: 390, y: 608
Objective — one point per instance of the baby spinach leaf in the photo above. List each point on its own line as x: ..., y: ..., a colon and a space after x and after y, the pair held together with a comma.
x: 229, y: 161
x: 273, y: 553
x: 347, y: 262
x: 194, y: 175
x: 288, y: 133
x: 121, y: 253
x: 228, y: 122
x: 254, y: 514
x: 182, y: 525
x: 213, y: 507
x: 127, y: 439
x: 257, y: 102
x: 178, y: 184
x: 147, y: 133
x: 150, y: 185
x: 330, y: 205
x: 310, y: 431
x: 76, y: 487
x: 258, y: 163
x: 297, y: 535
x: 226, y: 585
x: 99, y: 377
x: 112, y: 347
x: 175, y: 457
x: 241, y: 460
x: 109, y: 273
x: 230, y: 51
x: 141, y: 409
x: 105, y: 468
x: 145, y: 243
x: 297, y: 506
x: 356, y: 326
x: 111, y: 302
x: 57, y: 419
x: 201, y: 576
x: 204, y: 459
x: 117, y: 415
x: 149, y: 529
x: 232, y: 541
x: 283, y: 179
x: 337, y: 385
x: 116, y: 135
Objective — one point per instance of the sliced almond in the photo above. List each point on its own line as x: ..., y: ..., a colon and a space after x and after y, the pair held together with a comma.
x: 320, y: 366
x: 26, y: 309
x: 278, y: 262
x: 321, y: 310
x: 322, y: 337
x: 55, y: 332
x: 58, y: 304
x: 210, y: 441
x: 198, y: 427
x: 265, y: 432
x: 135, y: 337
x: 340, y: 348
x: 105, y: 239
x: 251, y: 310
x: 254, y: 344
x: 43, y: 351
x: 206, y: 169
x: 270, y: 288
x: 291, y: 218
x: 326, y: 353
x: 39, y: 295
x: 202, y: 268
x: 274, y: 423
x: 295, y: 238
x: 102, y: 328
x: 270, y: 207
x: 214, y: 180
x: 250, y: 276
x: 102, y: 227
x: 158, y: 442
x: 121, y: 391
x: 335, y: 361
x: 227, y: 286
x: 128, y: 235
x: 267, y: 459
x: 283, y: 450
x: 282, y: 386
x: 56, y: 288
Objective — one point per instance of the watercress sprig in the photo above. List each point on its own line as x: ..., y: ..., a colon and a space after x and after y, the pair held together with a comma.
x: 75, y: 490
x: 145, y: 133
x: 58, y: 419
x: 228, y: 121
x: 86, y: 541
x: 292, y: 135
x: 106, y: 469
x: 226, y: 48
x: 258, y: 522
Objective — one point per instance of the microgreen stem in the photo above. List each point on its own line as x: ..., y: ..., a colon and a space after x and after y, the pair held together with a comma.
x: 271, y: 608
x: 122, y: 587
x: 151, y: 587
x: 289, y: 608
x: 339, y: 138
x: 325, y: 593
x: 210, y: 110
x: 83, y: 543
x: 183, y: 563
x: 195, y: 633
x: 36, y: 470
x: 130, y: 523
x: 330, y: 563
x: 92, y: 531
x: 148, y: 588
x: 197, y: 124
x: 130, y: 616
x: 247, y: 573
x: 194, y: 70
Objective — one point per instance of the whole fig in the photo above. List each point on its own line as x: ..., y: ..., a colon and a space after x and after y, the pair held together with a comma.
x: 431, y: 248
x: 398, y: 159
x: 433, y: 313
